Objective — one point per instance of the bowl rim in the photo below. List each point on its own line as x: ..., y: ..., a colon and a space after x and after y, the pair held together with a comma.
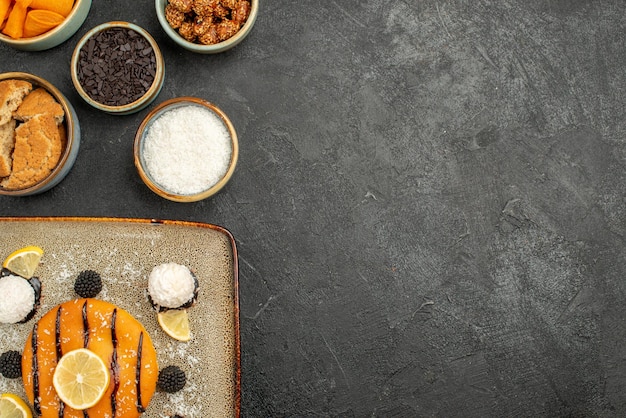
x: 214, y: 48
x: 162, y: 108
x: 154, y: 87
x: 46, y: 35
x: 69, y: 126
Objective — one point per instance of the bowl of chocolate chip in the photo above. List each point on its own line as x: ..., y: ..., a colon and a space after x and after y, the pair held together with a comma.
x: 39, y: 135
x: 207, y: 26
x: 117, y: 67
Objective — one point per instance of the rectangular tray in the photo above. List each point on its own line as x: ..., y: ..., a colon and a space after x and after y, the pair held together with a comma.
x: 124, y: 251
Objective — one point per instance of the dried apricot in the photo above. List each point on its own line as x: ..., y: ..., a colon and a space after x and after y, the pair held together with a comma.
x: 15, y: 22
x: 39, y: 21
x: 5, y: 6
x: 62, y: 7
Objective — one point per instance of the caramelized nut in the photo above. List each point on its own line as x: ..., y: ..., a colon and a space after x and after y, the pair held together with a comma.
x: 201, y: 25
x: 210, y: 36
x: 182, y: 5
x: 203, y: 8
x: 187, y: 32
x: 229, y: 4
x: 226, y: 29
x: 174, y: 17
x: 240, y: 12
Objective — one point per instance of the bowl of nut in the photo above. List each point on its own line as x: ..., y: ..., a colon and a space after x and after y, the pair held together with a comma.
x: 207, y: 26
x: 39, y: 135
x: 117, y: 67
x: 36, y: 25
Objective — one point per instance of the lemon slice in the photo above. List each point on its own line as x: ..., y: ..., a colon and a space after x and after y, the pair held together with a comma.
x: 12, y: 406
x: 24, y: 261
x: 81, y: 378
x: 175, y: 323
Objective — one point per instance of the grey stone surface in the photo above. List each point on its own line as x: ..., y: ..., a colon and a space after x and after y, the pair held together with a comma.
x: 429, y: 205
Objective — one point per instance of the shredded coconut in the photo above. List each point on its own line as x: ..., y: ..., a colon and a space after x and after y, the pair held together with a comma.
x: 18, y: 299
x: 171, y: 285
x: 187, y: 149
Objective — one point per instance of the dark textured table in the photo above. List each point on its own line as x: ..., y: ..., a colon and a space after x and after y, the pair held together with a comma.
x: 429, y: 205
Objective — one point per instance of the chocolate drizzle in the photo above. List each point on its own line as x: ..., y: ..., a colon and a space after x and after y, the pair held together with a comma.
x: 36, y: 403
x: 57, y: 334
x: 59, y: 351
x: 114, y: 366
x: 35, y: 283
x: 140, y: 407
x: 85, y: 326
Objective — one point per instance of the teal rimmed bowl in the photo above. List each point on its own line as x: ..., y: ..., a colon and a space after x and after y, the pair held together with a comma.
x: 56, y: 36
x: 123, y: 109
x: 207, y: 49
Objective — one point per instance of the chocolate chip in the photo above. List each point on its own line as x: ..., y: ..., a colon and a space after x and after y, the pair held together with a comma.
x: 116, y: 66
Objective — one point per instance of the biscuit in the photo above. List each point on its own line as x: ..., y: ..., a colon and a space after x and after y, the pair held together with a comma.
x: 37, y: 151
x: 7, y: 143
x: 12, y: 93
x: 39, y: 102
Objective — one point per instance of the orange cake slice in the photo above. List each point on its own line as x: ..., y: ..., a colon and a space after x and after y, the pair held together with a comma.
x: 114, y: 335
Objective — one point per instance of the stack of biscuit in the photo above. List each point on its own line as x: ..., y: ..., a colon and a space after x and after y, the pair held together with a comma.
x: 32, y: 134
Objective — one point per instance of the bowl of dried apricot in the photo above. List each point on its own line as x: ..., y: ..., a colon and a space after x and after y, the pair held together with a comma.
x: 36, y: 25
x: 207, y: 26
x: 39, y: 135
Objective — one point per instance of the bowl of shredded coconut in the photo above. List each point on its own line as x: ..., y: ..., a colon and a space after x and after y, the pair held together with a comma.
x: 186, y: 149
